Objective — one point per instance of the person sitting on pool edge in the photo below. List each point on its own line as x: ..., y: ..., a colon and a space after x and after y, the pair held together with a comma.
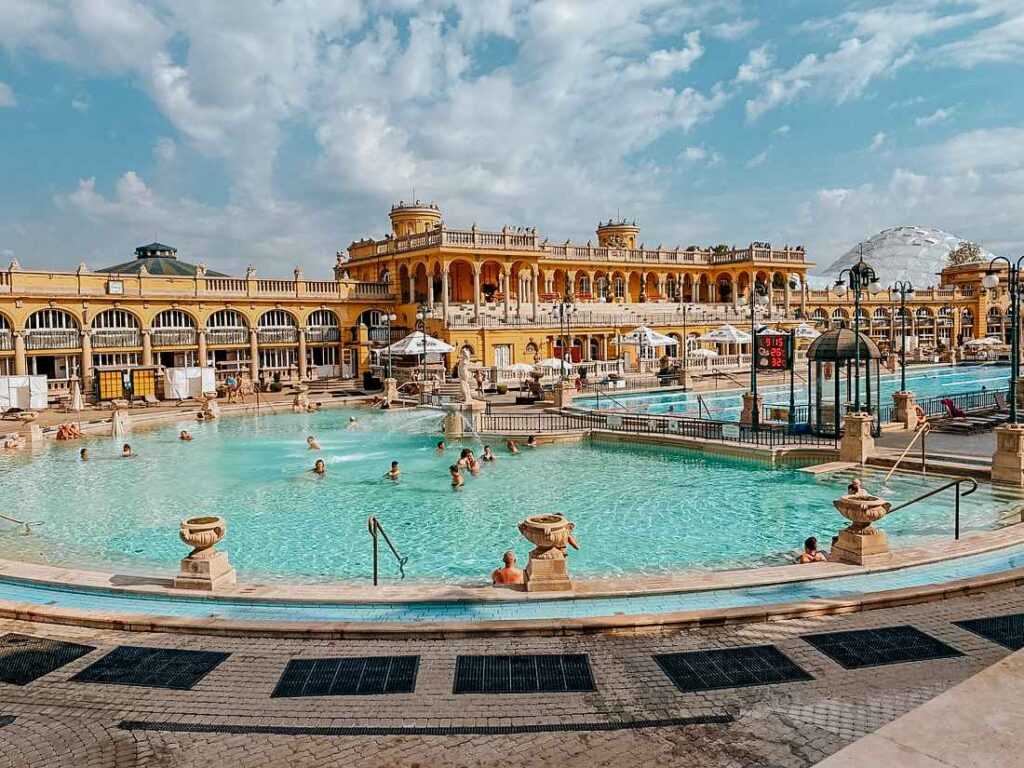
x: 312, y: 444
x: 510, y: 444
x: 394, y: 473
x: 531, y: 441
x: 457, y: 479
x: 127, y: 452
x: 320, y: 468
x: 811, y: 553
x: 185, y: 435
x: 508, y: 574
x: 488, y: 454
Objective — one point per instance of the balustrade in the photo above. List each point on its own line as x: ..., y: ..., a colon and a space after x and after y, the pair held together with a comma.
x: 116, y: 338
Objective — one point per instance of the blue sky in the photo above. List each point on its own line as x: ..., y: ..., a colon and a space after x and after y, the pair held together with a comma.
x: 274, y: 133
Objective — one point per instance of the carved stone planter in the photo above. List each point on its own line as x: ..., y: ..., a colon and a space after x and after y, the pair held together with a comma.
x: 547, y: 569
x: 860, y: 542
x: 205, y: 567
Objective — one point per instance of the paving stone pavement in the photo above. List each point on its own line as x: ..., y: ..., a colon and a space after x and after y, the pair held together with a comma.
x: 61, y: 722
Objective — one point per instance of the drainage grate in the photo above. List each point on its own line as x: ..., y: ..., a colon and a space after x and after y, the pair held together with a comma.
x: 6, y: 720
x: 152, y: 667
x: 24, y: 658
x: 730, y: 668
x: 348, y: 677
x: 1008, y: 631
x: 548, y: 673
x: 874, y: 647
x: 421, y: 730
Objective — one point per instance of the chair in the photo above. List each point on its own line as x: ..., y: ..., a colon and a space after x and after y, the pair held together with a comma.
x: 951, y: 410
x: 150, y: 399
x: 1001, y: 404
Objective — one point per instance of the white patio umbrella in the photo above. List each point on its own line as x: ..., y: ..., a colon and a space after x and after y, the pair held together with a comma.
x: 726, y: 334
x: 771, y: 332
x: 804, y: 331
x: 988, y: 341
x: 642, y: 336
x: 413, y: 344
x: 702, y: 352
x: 76, y: 397
x: 555, y: 363
x: 519, y: 367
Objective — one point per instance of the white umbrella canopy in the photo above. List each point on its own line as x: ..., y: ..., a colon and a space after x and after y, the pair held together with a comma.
x: 519, y: 367
x: 771, y: 332
x: 988, y: 341
x: 76, y: 397
x: 554, y: 363
x: 413, y: 344
x: 804, y: 331
x: 701, y: 352
x: 726, y: 334
x: 642, y: 336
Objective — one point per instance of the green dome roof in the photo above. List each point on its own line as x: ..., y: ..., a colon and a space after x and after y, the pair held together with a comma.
x: 159, y: 259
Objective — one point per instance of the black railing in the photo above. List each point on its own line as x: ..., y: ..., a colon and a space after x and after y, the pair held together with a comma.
x: 375, y: 529
x: 944, y: 486
x: 977, y: 400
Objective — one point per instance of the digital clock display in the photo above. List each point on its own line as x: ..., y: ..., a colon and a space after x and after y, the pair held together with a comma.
x: 773, y: 353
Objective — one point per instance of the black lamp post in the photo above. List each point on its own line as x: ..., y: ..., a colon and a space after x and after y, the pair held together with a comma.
x: 862, y: 277
x: 565, y: 310
x: 991, y: 280
x: 758, y: 298
x: 905, y: 291
x: 422, y: 313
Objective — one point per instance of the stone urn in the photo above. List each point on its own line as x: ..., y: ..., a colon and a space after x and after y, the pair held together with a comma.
x: 860, y: 543
x: 202, y: 533
x: 550, y: 535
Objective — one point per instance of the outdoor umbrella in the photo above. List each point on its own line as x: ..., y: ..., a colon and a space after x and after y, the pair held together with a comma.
x: 804, y: 331
x: 76, y: 397
x: 413, y: 344
x: 642, y: 336
x: 726, y: 334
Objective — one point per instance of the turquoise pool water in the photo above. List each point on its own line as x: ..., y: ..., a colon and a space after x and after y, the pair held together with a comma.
x: 845, y: 586
x: 637, y: 509
x: 726, y: 406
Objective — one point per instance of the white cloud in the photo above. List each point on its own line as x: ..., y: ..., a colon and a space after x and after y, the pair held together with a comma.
x: 7, y: 96
x: 734, y: 30
x: 877, y: 141
x: 80, y: 103
x: 940, y: 115
x: 758, y: 62
x: 700, y: 154
x: 757, y: 160
x: 782, y: 130
x: 662, y: 64
x: 165, y: 150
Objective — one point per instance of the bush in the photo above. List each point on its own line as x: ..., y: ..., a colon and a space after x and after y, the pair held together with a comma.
x: 502, y: 389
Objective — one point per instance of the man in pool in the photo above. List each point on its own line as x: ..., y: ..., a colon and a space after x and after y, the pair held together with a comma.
x: 312, y: 443
x: 352, y: 423
x: 508, y: 574
x: 83, y: 454
x: 319, y: 468
x: 457, y: 479
x: 127, y: 452
x: 185, y: 435
x: 394, y: 473
x: 855, y: 488
x: 440, y: 447
x: 510, y: 444
x: 531, y: 441
x: 811, y: 553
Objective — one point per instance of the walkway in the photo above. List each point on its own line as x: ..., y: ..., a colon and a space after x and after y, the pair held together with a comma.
x: 222, y: 709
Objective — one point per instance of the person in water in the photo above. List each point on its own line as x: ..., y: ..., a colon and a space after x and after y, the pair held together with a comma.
x: 185, y: 435
x: 457, y: 479
x: 83, y: 454
x: 126, y: 451
x: 468, y: 461
x: 511, y: 445
x: 312, y: 443
x: 394, y: 473
x: 320, y: 468
x: 531, y: 441
x: 508, y: 573
x: 811, y: 553
x: 488, y: 454
x: 352, y: 423
x: 855, y: 488
x: 440, y: 447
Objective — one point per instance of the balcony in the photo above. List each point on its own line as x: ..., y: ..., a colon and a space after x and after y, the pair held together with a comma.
x: 173, y: 337
x: 322, y: 334
x: 278, y: 335
x: 116, y: 338
x: 227, y: 337
x: 52, y: 338
x: 371, y: 291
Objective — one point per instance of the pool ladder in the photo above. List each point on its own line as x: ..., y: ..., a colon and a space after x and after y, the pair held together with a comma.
x: 377, y: 530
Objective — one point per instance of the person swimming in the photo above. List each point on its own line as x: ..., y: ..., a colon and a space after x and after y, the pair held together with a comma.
x: 83, y: 454
x: 440, y: 447
x: 127, y: 452
x: 457, y: 480
x: 320, y: 468
x: 531, y: 441
x: 855, y: 488
x: 811, y: 553
x: 312, y: 443
x: 394, y: 473
x: 185, y: 435
x: 488, y: 454
x: 511, y: 446
x: 352, y: 423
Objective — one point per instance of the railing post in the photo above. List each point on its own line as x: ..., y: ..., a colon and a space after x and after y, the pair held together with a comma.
x: 956, y: 523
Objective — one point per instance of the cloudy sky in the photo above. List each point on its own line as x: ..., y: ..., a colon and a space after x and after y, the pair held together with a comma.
x: 274, y: 132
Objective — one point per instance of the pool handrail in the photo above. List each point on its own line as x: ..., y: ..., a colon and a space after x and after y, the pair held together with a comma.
x: 955, y: 482
x: 376, y: 528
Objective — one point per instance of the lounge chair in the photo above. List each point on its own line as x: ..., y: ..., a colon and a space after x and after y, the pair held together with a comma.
x: 150, y: 400
x: 951, y: 410
x: 12, y: 413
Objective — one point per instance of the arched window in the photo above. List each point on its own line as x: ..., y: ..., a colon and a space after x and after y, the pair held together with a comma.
x: 115, y: 328
x: 6, y: 343
x: 115, y: 318
x: 51, y: 319
x: 620, y: 287
x: 173, y: 318
x: 276, y: 326
x: 227, y: 327
x: 840, y: 314
x: 584, y: 284
x: 173, y: 328
x: 322, y: 326
x: 277, y: 318
x: 819, y: 315
x: 880, y: 313
x: 52, y: 329
x: 227, y: 318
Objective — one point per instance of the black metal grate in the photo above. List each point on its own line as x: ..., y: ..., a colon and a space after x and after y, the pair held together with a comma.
x: 730, y: 668
x: 1008, y: 631
x: 547, y: 673
x: 348, y: 676
x: 152, y: 667
x: 6, y: 720
x: 421, y: 730
x: 24, y: 658
x: 875, y: 647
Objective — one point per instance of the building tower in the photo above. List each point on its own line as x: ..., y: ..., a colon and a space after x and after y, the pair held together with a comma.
x: 414, y: 218
x: 617, y: 234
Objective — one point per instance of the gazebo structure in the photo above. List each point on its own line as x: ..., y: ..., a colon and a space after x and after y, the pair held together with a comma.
x: 835, y: 355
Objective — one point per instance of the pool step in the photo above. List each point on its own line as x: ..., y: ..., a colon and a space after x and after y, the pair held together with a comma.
x: 831, y: 466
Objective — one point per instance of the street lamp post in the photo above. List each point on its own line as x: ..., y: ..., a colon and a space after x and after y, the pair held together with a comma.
x: 905, y: 291
x: 564, y: 310
x: 862, y: 277
x: 991, y: 280
x: 758, y: 298
x: 422, y: 313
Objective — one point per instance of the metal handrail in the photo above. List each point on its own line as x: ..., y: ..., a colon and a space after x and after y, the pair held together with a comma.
x: 375, y: 527
x: 730, y: 377
x: 950, y: 484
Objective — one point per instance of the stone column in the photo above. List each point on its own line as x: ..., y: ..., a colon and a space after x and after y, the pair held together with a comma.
x: 444, y: 292
x: 201, y: 339
x: 254, y: 355
x: 147, y: 347
x: 534, y: 292
x: 412, y: 286
x: 302, y: 354
x: 430, y: 291
x: 85, y: 368
x: 1008, y: 460
x: 905, y: 413
x: 788, y: 297
x: 857, y: 444
x: 505, y: 285
x: 803, y: 295
x: 751, y: 404
x: 476, y: 293
x: 341, y: 352
x: 20, y: 359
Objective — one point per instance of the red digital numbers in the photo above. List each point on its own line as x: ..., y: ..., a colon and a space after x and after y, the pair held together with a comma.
x: 773, y: 353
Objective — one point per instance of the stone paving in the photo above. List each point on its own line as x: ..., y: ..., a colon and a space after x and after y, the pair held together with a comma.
x: 60, y: 722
